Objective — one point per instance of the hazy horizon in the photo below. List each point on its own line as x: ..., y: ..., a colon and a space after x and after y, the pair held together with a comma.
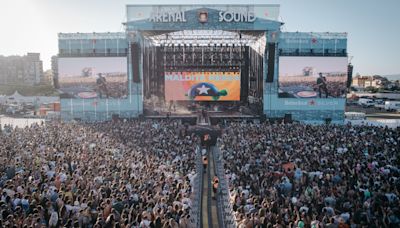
x: 372, y: 25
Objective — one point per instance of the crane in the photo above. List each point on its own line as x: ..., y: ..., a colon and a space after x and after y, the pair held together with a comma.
x: 350, y: 58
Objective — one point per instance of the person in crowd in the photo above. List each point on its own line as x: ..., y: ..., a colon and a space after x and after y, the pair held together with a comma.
x: 215, y: 184
x: 205, y: 163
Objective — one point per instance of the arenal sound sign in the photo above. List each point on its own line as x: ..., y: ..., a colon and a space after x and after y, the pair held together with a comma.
x: 223, y: 16
x: 178, y: 16
x: 236, y: 17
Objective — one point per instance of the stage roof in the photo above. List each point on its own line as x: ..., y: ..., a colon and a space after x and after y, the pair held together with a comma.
x: 203, y: 37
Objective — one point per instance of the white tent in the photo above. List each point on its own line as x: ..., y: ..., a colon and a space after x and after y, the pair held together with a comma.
x: 18, y: 98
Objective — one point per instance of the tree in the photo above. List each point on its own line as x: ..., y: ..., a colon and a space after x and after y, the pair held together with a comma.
x: 48, y: 77
x: 371, y: 89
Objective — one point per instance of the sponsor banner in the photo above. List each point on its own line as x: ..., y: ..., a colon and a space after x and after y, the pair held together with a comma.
x: 312, y: 102
x: 305, y: 104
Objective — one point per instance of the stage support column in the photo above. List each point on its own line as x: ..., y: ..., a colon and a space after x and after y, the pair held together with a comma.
x: 135, y: 71
x: 271, y: 60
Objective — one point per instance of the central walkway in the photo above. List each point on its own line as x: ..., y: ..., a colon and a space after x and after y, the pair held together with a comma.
x: 215, y: 207
x: 209, y: 208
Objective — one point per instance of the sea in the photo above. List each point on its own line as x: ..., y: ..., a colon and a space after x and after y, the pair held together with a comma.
x: 393, y: 77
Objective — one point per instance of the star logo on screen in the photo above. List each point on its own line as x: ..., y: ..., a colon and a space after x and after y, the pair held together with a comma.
x: 203, y: 90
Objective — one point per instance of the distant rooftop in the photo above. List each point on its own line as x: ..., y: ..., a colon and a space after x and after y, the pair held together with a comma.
x: 93, y: 35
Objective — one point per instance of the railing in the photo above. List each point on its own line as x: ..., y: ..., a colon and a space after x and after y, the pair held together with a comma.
x: 195, y: 212
x: 309, y: 53
x: 224, y: 206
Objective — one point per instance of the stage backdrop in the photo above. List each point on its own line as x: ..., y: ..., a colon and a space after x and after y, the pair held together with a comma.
x: 202, y: 86
x: 312, y: 77
x: 93, y: 77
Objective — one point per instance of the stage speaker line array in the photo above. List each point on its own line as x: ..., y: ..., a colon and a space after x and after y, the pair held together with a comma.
x: 135, y: 52
x: 288, y: 118
x: 271, y: 62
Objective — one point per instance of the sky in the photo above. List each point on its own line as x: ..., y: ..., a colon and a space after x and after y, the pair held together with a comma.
x: 372, y: 25
x: 292, y: 66
x: 72, y: 67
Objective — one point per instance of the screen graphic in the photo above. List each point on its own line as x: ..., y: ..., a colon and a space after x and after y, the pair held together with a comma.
x: 94, y: 77
x: 312, y: 77
x: 202, y: 86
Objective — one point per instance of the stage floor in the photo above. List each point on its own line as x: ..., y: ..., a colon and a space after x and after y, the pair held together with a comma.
x: 211, y: 114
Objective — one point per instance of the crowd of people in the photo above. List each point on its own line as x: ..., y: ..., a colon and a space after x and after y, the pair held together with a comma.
x: 113, y: 174
x: 296, y: 175
x: 141, y: 174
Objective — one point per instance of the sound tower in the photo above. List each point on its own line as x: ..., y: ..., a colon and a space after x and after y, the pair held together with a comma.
x: 115, y: 117
x: 349, y: 75
x: 271, y: 62
x: 263, y: 118
x: 328, y: 120
x: 288, y: 118
x: 244, y: 79
x: 135, y: 52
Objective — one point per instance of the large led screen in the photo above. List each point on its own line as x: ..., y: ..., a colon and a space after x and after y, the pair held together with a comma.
x: 312, y: 77
x: 93, y: 77
x: 202, y: 86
